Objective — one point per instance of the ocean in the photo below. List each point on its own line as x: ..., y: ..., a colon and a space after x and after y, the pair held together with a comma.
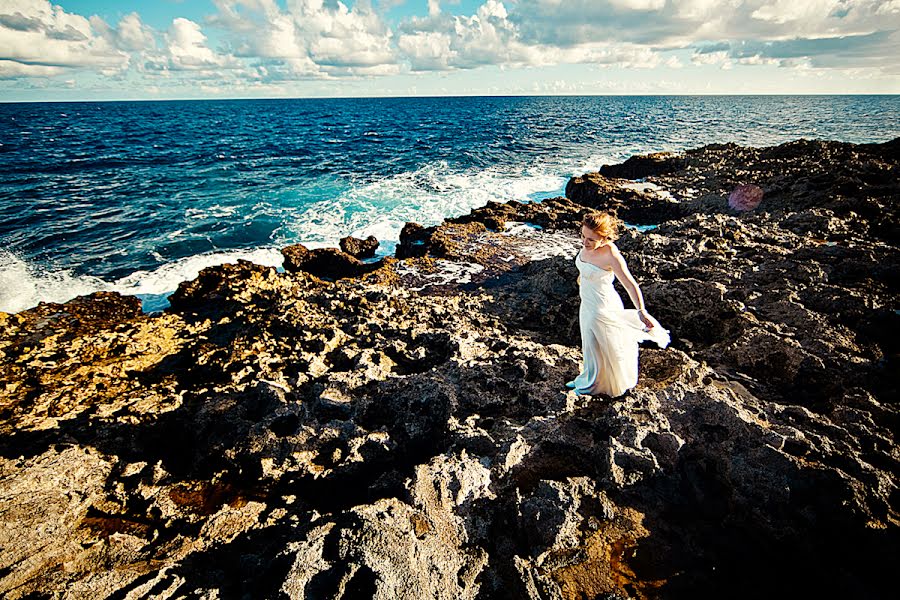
x: 136, y: 197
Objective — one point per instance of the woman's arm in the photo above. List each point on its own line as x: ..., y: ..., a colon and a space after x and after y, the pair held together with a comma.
x: 634, y: 291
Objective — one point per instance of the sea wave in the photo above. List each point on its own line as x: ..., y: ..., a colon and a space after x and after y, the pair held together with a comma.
x: 23, y: 285
x: 154, y: 192
x: 380, y: 208
x: 426, y: 195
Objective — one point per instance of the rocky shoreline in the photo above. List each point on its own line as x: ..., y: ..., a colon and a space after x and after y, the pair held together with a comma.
x: 394, y: 429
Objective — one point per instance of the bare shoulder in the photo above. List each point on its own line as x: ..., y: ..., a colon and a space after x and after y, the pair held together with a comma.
x: 615, y: 252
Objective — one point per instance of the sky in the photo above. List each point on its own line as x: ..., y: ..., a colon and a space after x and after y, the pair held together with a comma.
x: 168, y: 49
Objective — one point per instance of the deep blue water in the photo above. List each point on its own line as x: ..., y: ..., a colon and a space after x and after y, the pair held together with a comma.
x: 137, y: 196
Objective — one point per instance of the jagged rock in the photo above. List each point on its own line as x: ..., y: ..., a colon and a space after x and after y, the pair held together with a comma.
x: 641, y: 166
x: 295, y: 256
x: 82, y: 315
x: 598, y: 192
x: 414, y: 240
x: 359, y: 248
x: 325, y: 263
x: 272, y: 434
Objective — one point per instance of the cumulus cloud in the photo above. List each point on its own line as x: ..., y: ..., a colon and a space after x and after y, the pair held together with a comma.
x: 823, y: 33
x: 44, y: 40
x: 187, y: 49
x: 35, y: 33
x: 259, y: 42
x: 890, y: 7
x: 10, y: 69
x: 874, y: 50
x: 443, y: 41
x: 341, y: 37
x: 132, y: 34
x: 638, y: 4
x: 679, y: 23
x: 428, y: 50
x: 709, y: 58
x: 495, y: 36
x: 308, y: 38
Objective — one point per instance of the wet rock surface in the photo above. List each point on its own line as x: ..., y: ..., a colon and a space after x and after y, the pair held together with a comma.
x: 282, y: 435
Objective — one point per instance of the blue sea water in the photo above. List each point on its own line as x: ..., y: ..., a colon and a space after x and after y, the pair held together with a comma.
x: 138, y: 196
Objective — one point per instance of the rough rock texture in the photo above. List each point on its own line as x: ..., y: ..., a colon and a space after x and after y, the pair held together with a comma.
x: 326, y: 263
x: 359, y: 248
x: 638, y: 167
x: 277, y: 435
x: 633, y: 205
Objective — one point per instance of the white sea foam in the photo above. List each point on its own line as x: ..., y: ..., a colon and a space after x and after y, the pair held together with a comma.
x: 381, y: 208
x: 537, y: 244
x: 443, y: 272
x: 595, y: 161
x: 211, y: 211
x: 22, y: 285
x: 165, y: 279
x: 427, y: 196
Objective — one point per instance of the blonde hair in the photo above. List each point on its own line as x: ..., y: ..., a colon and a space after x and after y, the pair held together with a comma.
x: 603, y: 224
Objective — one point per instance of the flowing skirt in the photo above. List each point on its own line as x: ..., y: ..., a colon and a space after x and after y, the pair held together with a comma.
x: 609, y: 343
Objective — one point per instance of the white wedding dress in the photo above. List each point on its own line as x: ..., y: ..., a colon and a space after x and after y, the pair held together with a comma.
x: 610, y: 334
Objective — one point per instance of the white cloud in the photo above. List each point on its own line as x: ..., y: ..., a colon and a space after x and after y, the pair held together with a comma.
x: 269, y: 42
x: 673, y: 62
x: 187, y: 49
x: 441, y: 41
x: 891, y: 7
x: 308, y: 38
x: 35, y: 33
x: 427, y: 50
x: 492, y: 37
x: 682, y: 22
x: 345, y: 38
x: 492, y: 8
x: 788, y: 11
x: 132, y: 34
x: 756, y: 59
x: 695, y: 10
x: 638, y: 4
x: 859, y: 34
x: 10, y: 69
x: 710, y: 58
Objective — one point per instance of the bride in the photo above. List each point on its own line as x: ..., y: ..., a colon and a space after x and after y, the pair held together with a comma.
x: 609, y: 332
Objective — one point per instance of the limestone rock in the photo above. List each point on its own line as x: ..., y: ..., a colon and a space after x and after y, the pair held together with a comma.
x: 641, y: 166
x: 325, y: 263
x: 359, y: 248
x: 273, y: 434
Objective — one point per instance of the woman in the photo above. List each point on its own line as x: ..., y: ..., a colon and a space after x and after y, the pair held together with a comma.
x: 609, y: 333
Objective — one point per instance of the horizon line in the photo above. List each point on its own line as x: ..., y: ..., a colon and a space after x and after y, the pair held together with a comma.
x: 610, y: 95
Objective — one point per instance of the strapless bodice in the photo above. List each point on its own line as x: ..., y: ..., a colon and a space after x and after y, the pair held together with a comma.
x: 596, y: 286
x: 593, y: 272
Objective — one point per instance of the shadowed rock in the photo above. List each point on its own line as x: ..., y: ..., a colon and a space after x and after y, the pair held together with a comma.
x: 325, y: 263
x: 598, y: 192
x: 641, y: 166
x: 414, y: 240
x: 359, y: 248
x: 275, y: 435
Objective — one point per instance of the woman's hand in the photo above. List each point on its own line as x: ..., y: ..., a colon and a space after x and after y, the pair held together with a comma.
x: 644, y: 317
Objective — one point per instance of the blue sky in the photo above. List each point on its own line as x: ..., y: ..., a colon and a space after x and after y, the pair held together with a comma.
x: 129, y: 49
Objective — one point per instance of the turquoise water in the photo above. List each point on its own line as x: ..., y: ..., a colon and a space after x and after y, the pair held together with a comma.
x: 137, y: 196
